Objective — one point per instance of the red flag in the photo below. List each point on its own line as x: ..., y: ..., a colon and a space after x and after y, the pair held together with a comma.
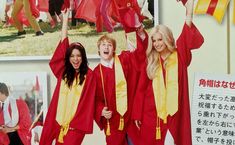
x: 37, y: 87
x: 215, y: 8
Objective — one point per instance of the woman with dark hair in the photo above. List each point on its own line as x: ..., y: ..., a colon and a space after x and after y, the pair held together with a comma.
x: 70, y: 115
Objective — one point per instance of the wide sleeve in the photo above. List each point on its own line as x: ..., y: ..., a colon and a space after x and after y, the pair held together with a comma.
x: 91, y: 89
x: 138, y: 103
x: 57, y: 60
x: 84, y: 117
x: 135, y: 60
x: 99, y: 101
x: 139, y: 55
x: 190, y: 38
x: 24, y: 122
x: 4, y: 140
x: 24, y: 115
x: 49, y: 129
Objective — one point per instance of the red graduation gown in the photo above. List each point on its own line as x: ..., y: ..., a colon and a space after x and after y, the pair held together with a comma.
x: 43, y: 5
x: 83, y: 119
x: 90, y: 10
x: 4, y: 140
x: 144, y: 104
x: 129, y: 64
x: 24, y: 124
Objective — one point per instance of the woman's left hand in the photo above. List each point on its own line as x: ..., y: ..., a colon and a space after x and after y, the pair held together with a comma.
x: 7, y: 129
x: 140, y: 32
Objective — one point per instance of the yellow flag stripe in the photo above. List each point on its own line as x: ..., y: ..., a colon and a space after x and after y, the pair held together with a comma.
x: 220, y: 10
x: 202, y: 6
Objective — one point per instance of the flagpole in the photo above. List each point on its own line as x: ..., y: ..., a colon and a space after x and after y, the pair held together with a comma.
x: 156, y: 12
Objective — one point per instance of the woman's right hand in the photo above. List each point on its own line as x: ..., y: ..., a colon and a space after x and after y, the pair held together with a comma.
x: 138, y: 124
x: 107, y: 114
x: 64, y: 30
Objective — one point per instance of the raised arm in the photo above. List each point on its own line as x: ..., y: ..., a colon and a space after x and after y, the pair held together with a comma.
x: 64, y: 31
x: 189, y: 12
x: 190, y: 37
x: 141, y: 46
x: 57, y: 60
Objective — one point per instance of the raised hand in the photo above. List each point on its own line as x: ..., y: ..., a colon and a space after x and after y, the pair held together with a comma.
x: 189, y: 12
x: 64, y: 30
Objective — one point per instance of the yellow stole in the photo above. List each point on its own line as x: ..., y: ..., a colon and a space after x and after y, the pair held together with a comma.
x: 121, y: 91
x: 67, y: 106
x: 166, y: 95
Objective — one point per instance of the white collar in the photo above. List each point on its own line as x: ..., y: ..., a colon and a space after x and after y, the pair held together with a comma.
x: 106, y: 63
x: 13, y: 119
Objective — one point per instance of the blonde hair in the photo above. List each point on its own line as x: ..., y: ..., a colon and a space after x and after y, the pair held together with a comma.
x: 152, y: 54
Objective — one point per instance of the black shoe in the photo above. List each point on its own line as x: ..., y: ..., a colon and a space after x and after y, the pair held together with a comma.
x: 38, y: 33
x: 21, y: 33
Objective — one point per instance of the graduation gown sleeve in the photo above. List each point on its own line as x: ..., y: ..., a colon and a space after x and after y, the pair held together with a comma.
x: 24, y: 122
x: 139, y: 97
x: 4, y: 140
x: 83, y: 119
x: 99, y: 99
x: 57, y: 60
x: 189, y: 39
x: 51, y: 127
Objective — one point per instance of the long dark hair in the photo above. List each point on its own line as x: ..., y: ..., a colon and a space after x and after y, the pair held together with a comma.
x: 69, y: 72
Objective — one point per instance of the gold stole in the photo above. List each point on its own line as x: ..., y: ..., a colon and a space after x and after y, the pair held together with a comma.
x: 166, y: 95
x: 67, y: 106
x: 121, y: 91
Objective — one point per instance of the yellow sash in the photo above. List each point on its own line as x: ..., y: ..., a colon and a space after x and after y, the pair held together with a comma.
x: 166, y: 95
x: 121, y: 91
x: 67, y: 106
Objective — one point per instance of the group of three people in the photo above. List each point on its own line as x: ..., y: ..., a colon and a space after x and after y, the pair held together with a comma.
x: 138, y: 97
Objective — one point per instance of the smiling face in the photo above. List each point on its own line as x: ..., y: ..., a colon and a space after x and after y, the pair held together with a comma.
x: 75, y: 59
x: 158, y: 43
x: 106, y: 50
